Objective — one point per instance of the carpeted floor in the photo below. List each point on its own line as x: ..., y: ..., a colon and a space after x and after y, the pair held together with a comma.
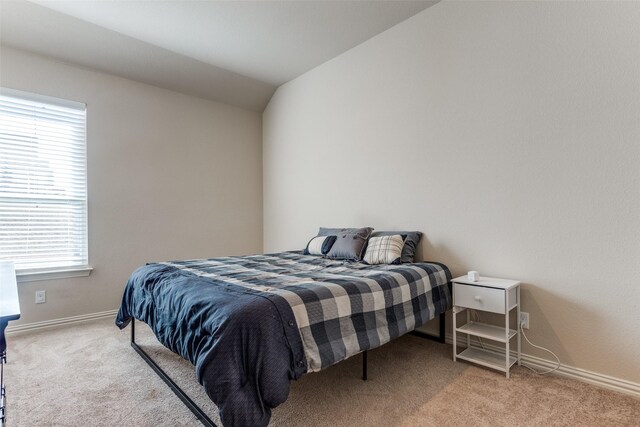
x: 88, y: 375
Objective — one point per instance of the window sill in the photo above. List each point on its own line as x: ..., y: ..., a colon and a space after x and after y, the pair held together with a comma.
x: 52, y: 273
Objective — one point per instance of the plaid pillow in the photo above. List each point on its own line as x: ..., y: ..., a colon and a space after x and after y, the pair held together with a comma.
x: 384, y: 250
x: 411, y: 241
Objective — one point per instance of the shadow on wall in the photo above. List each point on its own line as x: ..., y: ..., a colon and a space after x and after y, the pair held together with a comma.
x: 428, y: 252
x: 533, y: 297
x: 537, y: 301
x: 540, y: 332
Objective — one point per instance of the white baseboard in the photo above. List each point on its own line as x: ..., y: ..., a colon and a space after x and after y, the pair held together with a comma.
x: 600, y: 380
x: 59, y: 322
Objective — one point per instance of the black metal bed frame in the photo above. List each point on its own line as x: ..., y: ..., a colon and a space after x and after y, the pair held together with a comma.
x: 199, y: 413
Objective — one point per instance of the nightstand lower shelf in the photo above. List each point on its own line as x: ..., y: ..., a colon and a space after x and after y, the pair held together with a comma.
x: 486, y: 358
x: 484, y: 330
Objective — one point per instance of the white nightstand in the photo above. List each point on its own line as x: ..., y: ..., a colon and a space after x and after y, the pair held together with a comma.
x: 495, y: 296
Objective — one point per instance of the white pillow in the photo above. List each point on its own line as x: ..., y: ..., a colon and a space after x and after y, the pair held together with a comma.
x: 384, y: 249
x: 315, y: 245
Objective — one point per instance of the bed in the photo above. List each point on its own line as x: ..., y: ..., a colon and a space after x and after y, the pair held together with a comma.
x: 252, y: 324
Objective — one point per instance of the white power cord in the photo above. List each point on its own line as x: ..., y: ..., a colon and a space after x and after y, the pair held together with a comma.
x: 476, y: 317
x: 541, y: 348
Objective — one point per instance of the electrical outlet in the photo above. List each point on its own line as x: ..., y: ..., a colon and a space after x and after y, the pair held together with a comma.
x: 524, y: 319
x: 41, y: 297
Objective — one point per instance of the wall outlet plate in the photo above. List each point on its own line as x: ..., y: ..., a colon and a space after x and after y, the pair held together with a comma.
x: 524, y: 319
x: 41, y: 297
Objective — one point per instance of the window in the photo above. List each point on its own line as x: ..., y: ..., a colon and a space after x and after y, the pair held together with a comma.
x: 43, y: 183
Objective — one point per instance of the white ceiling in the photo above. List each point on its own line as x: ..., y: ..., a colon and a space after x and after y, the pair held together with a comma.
x: 263, y: 43
x: 36, y: 29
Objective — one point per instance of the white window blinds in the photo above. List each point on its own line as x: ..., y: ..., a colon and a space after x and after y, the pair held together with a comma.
x: 43, y: 190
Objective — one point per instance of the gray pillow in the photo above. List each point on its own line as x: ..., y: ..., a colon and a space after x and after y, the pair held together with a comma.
x: 350, y: 243
x: 324, y: 231
x: 410, y: 243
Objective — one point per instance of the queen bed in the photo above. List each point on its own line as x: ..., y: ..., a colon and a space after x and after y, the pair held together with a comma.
x: 252, y: 324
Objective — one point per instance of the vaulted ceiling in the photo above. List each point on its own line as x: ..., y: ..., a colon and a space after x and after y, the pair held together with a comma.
x: 236, y: 52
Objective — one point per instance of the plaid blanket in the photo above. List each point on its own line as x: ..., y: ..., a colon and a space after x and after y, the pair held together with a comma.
x: 341, y: 308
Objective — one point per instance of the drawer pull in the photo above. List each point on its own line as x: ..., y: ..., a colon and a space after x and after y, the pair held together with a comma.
x: 477, y: 298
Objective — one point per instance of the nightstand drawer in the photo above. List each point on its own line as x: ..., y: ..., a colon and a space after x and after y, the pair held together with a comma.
x: 479, y: 298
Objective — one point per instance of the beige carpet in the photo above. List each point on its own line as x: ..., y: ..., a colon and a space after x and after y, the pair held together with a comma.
x: 88, y: 375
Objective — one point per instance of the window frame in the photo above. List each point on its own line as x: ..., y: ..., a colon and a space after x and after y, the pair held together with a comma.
x: 26, y: 274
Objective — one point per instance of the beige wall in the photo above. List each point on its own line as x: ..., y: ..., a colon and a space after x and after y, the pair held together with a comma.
x: 509, y: 133
x: 170, y: 176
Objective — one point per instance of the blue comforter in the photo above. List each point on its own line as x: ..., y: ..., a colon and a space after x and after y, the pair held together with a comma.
x: 252, y: 324
x: 244, y: 344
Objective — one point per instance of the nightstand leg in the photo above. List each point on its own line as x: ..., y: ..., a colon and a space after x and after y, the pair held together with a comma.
x: 455, y: 339
x: 468, y: 320
x: 518, y: 329
x: 506, y: 332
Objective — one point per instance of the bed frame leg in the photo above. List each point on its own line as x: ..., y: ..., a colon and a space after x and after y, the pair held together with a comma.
x: 439, y: 338
x: 364, y: 365
x: 199, y: 413
x: 441, y: 335
x: 204, y: 419
x: 442, y: 325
